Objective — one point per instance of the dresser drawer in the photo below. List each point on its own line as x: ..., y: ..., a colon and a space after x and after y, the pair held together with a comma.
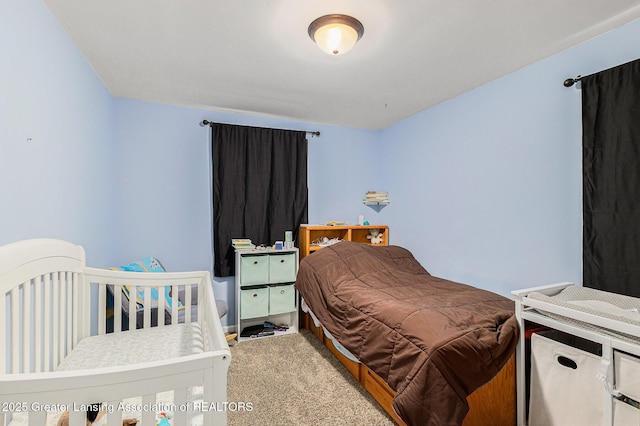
x: 254, y: 302
x: 281, y: 299
x: 254, y: 269
x: 282, y: 268
x: 627, y: 374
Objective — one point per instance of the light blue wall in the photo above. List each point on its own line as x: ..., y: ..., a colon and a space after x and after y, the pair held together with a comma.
x: 162, y: 175
x: 55, y: 135
x: 486, y: 188
x: 343, y: 165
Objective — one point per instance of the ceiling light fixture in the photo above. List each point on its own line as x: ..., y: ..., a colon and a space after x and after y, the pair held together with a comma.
x: 336, y: 34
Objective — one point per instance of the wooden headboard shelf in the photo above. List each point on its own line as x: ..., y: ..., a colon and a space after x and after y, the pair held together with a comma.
x: 356, y: 233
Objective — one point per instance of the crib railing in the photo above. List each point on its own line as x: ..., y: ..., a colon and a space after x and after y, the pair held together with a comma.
x: 47, y: 315
x: 140, y: 286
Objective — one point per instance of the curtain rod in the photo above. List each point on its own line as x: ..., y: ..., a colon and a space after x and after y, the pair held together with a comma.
x: 204, y: 123
x: 571, y: 81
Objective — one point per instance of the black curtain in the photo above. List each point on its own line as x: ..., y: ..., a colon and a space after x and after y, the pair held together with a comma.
x: 259, y: 187
x: 611, y: 179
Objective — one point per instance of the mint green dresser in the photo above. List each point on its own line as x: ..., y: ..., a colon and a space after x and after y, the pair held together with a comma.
x: 264, y: 289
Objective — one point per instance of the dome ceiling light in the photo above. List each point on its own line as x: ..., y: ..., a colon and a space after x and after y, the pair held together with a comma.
x: 336, y: 34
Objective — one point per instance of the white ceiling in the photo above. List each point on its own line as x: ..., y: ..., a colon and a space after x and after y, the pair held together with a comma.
x: 255, y: 56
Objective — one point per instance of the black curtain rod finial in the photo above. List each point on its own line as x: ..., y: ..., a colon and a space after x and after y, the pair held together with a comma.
x: 571, y: 81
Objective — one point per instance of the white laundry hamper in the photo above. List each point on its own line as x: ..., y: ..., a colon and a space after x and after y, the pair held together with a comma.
x: 565, y: 389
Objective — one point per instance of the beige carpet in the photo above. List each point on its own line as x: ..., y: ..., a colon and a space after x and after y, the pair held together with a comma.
x: 295, y: 380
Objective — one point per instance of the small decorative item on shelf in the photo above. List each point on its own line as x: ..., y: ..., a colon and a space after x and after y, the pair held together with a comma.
x: 375, y: 236
x: 288, y: 239
x: 376, y: 198
x: 324, y: 241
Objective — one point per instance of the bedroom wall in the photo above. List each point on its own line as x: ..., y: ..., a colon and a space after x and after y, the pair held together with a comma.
x: 486, y: 187
x: 162, y: 206
x: 55, y: 135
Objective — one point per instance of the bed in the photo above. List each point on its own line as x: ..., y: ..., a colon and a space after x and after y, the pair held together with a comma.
x: 56, y: 356
x: 432, y: 342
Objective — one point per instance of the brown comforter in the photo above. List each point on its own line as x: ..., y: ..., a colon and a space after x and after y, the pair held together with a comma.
x: 433, y: 341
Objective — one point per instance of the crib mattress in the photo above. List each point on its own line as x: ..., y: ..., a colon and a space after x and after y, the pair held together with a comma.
x: 132, y: 347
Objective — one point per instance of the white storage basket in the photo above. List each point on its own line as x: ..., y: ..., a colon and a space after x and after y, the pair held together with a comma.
x: 565, y: 389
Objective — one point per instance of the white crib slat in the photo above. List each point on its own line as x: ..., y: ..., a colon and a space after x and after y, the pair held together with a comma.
x: 37, y: 417
x: 37, y: 326
x: 65, y: 293
x: 15, y: 332
x: 69, y: 314
x: 75, y: 302
x: 62, y: 314
x: 46, y: 336
x: 26, y: 326
x: 115, y: 418
x: 102, y: 309
x: 133, y: 306
x: 3, y: 341
x: 148, y: 416
x: 161, y: 306
x: 55, y: 311
x: 180, y: 400
x: 174, y: 304
x: 147, y: 308
x: 77, y: 418
x: 210, y: 392
x: 117, y: 308
x: 187, y: 303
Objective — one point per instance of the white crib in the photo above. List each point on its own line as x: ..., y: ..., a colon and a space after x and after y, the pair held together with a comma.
x: 48, y: 300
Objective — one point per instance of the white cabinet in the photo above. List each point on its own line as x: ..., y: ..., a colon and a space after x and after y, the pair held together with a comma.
x: 265, y: 292
x: 558, y: 383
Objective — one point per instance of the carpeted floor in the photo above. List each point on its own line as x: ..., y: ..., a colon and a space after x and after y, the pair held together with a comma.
x: 295, y: 380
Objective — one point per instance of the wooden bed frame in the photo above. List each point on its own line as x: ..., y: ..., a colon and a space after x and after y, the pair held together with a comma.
x: 492, y: 404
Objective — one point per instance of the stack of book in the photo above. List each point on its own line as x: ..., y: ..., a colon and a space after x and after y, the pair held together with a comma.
x: 242, y: 244
x: 376, y: 197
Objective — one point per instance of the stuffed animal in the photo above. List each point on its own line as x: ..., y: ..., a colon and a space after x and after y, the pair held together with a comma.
x: 164, y: 419
x: 375, y: 236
